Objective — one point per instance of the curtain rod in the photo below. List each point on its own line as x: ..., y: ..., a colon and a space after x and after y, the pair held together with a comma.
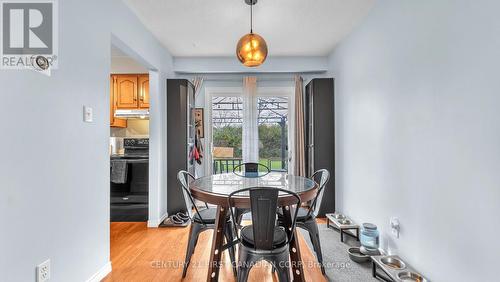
x: 240, y: 79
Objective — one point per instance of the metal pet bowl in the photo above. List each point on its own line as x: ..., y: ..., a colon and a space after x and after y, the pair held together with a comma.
x: 345, y: 221
x: 411, y: 276
x: 369, y: 252
x: 339, y: 216
x: 356, y: 255
x: 393, y: 263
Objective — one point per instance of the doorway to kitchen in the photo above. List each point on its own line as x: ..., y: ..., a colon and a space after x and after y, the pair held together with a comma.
x: 129, y: 139
x: 273, y: 116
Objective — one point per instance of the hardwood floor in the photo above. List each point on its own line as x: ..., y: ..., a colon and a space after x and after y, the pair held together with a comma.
x: 139, y: 253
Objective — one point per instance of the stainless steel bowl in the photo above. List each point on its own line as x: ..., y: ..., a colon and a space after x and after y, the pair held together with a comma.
x: 393, y: 263
x: 339, y: 216
x: 356, y: 255
x: 345, y: 221
x: 411, y: 276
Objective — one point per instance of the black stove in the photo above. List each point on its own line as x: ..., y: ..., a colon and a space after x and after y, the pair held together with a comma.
x: 136, y: 147
x: 129, y: 201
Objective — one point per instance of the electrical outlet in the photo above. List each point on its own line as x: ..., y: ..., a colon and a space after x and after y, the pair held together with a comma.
x: 43, y: 271
x: 395, y: 226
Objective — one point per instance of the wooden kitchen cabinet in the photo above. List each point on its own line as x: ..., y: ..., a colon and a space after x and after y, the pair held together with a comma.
x: 114, y: 122
x: 128, y: 92
x: 144, y: 91
x: 126, y: 87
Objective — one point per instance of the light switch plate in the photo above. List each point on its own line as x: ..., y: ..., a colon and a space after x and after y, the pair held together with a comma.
x: 88, y: 114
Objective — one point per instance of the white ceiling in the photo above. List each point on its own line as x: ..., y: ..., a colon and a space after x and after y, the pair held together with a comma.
x: 212, y: 28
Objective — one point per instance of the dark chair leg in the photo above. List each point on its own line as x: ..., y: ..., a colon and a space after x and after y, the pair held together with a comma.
x: 312, y: 227
x: 279, y: 262
x: 282, y: 267
x: 194, y: 231
x: 311, y: 236
x: 229, y: 239
x: 244, y: 265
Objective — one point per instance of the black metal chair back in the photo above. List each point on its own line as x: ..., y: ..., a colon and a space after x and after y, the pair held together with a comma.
x: 185, y: 178
x: 321, y: 177
x: 263, y: 204
x: 251, y: 168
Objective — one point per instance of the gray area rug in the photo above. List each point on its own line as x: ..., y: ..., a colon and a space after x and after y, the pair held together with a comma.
x: 339, y: 267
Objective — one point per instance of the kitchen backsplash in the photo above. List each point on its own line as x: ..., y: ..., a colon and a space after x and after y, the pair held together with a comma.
x: 135, y: 128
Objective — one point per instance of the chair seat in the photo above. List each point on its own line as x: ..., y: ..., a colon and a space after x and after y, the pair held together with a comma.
x: 278, y: 240
x: 301, y: 215
x: 208, y: 216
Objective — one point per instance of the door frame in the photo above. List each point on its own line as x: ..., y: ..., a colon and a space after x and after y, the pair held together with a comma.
x: 157, y: 117
x: 209, y: 93
x: 265, y: 91
x: 289, y: 92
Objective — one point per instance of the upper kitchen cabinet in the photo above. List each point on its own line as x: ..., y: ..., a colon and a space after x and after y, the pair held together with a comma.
x: 126, y: 91
x: 144, y: 91
x: 114, y: 122
x: 131, y: 91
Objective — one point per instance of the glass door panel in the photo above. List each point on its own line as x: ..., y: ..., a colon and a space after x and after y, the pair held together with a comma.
x: 273, y: 132
x: 227, y: 121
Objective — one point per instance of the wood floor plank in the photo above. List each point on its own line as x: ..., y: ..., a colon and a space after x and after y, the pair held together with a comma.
x: 139, y: 253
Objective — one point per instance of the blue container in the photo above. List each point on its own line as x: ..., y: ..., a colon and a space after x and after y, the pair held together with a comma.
x: 369, y: 236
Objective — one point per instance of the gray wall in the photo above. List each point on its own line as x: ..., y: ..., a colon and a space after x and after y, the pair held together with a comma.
x: 54, y: 190
x: 418, y: 132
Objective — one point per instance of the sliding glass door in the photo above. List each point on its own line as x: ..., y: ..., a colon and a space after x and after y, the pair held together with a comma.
x: 273, y: 116
x: 273, y: 132
x: 227, y: 132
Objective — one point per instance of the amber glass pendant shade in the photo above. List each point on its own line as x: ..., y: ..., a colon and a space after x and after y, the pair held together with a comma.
x: 251, y: 50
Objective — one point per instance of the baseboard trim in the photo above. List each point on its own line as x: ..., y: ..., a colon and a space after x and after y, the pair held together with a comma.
x: 156, y: 223
x: 99, y: 275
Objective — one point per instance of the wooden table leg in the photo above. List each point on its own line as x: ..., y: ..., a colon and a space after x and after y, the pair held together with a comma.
x: 217, y: 240
x: 295, y: 257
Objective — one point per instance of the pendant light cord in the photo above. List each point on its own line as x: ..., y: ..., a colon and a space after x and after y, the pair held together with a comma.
x: 251, y: 17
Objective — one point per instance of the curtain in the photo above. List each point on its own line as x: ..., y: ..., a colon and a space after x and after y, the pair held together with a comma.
x: 197, y: 82
x: 250, y: 140
x: 299, y: 154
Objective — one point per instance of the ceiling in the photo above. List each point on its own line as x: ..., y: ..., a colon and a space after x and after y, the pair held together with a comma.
x: 212, y: 28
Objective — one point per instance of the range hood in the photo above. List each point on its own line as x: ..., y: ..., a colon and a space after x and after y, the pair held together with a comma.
x: 130, y: 114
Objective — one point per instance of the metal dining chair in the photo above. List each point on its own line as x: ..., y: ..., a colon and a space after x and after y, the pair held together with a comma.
x: 251, y: 168
x: 263, y: 240
x: 201, y: 220
x: 306, y: 218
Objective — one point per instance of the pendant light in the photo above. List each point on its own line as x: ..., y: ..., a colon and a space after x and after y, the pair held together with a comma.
x: 252, y: 48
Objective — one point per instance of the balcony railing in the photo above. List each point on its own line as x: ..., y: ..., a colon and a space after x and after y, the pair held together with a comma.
x: 225, y: 165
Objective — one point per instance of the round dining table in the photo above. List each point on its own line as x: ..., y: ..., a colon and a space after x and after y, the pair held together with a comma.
x: 215, y: 189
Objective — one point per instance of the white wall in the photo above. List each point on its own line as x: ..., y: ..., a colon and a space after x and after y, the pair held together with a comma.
x: 126, y: 65
x: 418, y: 132
x: 54, y: 191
